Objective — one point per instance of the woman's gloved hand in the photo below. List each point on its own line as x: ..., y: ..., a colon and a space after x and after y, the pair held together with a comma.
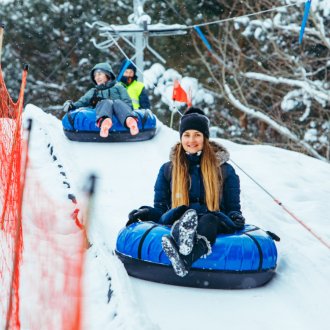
x: 136, y: 215
x: 238, y: 219
x: 144, y: 213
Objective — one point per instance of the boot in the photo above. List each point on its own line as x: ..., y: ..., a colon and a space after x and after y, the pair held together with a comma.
x: 184, y: 231
x: 171, y: 250
x: 105, y: 126
x: 182, y: 264
x: 131, y: 123
x: 201, y: 248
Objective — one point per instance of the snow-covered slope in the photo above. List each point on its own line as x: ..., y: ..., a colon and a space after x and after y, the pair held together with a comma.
x: 297, y: 298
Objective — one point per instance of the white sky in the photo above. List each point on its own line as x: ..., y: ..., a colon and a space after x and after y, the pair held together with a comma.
x: 298, y: 296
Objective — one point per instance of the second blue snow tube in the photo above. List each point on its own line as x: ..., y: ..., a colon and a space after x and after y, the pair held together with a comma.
x: 79, y: 125
x: 245, y: 259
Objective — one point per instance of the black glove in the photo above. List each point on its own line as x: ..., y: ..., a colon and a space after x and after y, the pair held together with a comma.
x: 136, y: 215
x: 238, y: 220
x: 68, y: 106
x: 95, y: 100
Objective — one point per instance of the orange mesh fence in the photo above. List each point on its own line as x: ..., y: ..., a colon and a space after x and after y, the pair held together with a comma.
x: 10, y: 203
x: 52, y: 265
x: 40, y: 285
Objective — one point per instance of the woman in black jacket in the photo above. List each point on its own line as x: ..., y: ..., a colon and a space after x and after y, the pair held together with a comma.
x: 197, y: 192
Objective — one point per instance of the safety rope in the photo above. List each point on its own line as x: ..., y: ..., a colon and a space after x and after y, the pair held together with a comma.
x: 277, y: 201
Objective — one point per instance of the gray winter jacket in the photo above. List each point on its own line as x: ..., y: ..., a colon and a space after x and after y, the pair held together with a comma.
x: 110, y: 90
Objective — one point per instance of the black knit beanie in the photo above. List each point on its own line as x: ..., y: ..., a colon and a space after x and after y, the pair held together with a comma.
x: 195, y: 118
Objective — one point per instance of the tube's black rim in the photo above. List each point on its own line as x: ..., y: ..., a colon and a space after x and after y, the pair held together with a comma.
x: 119, y: 136
x: 197, y: 278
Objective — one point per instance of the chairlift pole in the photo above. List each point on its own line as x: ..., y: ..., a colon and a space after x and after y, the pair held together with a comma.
x: 138, y: 38
x: 139, y: 30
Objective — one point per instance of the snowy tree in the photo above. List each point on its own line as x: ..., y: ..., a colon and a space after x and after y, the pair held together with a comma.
x: 279, y: 87
x: 267, y: 87
x: 52, y: 38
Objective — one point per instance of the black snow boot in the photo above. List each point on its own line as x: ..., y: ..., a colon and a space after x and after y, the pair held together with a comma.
x: 184, y: 231
x: 182, y: 264
x: 201, y: 248
x: 172, y: 251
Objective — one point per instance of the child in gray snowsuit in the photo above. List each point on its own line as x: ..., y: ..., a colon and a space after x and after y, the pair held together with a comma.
x: 109, y: 98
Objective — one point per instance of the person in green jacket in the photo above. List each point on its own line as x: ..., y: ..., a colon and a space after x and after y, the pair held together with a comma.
x: 109, y: 98
x: 135, y: 89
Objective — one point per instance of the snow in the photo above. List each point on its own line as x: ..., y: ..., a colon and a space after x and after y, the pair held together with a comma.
x: 297, y: 297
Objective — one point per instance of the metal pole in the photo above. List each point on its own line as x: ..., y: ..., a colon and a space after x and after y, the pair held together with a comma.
x: 138, y: 39
x: 2, y: 26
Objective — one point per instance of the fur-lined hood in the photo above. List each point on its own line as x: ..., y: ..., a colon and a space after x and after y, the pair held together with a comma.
x: 221, y: 152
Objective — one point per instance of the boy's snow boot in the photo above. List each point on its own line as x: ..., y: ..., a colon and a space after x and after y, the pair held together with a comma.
x: 171, y: 250
x: 105, y: 126
x: 184, y: 231
x: 131, y: 123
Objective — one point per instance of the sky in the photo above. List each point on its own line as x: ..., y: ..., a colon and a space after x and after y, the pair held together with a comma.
x: 296, y: 298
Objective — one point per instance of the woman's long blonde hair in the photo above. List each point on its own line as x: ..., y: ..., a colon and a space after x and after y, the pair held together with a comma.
x: 211, y: 174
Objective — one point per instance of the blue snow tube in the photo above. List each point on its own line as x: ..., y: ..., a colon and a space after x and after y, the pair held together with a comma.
x: 79, y: 125
x: 245, y: 259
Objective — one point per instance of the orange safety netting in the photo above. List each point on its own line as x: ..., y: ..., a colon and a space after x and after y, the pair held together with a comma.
x: 41, y: 285
x: 53, y: 255
x: 11, y: 181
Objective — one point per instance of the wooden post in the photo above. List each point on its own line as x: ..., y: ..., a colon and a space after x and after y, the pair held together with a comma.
x: 2, y: 26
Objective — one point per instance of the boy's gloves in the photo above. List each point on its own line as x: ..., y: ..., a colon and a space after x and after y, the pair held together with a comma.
x: 68, y: 106
x: 95, y: 100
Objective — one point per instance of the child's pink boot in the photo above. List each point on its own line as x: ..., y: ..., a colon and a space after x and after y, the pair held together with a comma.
x: 105, y: 126
x: 131, y: 123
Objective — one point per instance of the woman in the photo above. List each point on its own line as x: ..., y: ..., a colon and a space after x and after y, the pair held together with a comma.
x: 197, y: 192
x: 109, y: 98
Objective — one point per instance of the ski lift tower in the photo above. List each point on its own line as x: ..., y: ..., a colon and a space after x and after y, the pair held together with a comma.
x: 136, y: 34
